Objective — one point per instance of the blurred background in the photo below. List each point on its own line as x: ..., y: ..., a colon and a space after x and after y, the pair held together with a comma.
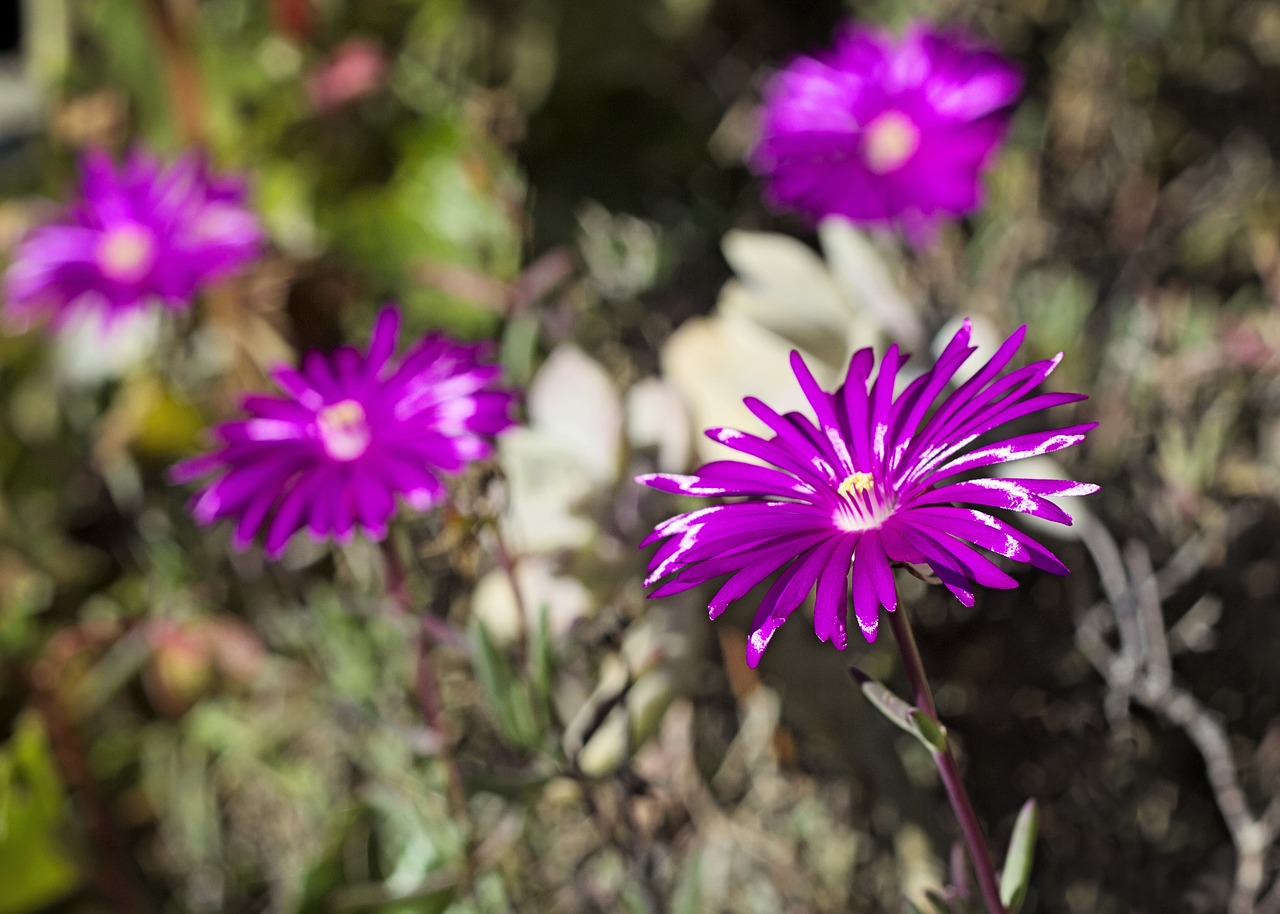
x: 188, y: 729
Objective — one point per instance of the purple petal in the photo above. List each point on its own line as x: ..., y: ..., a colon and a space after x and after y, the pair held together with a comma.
x: 750, y: 575
x: 1023, y: 495
x: 881, y: 403
x: 382, y: 341
x: 1036, y: 444
x: 729, y: 477
x: 873, y: 585
x: 288, y: 517
x: 824, y: 410
x: 787, y: 593
x: 831, y: 601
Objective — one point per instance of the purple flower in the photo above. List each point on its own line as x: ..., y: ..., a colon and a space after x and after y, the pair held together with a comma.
x: 140, y: 233
x: 870, y: 483
x: 351, y: 433
x: 885, y: 130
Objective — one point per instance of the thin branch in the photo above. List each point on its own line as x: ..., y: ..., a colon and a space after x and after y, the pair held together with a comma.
x: 427, y: 685
x: 1141, y: 671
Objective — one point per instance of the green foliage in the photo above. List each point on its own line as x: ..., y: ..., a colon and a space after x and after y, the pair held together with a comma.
x: 1131, y: 221
x: 931, y: 734
x: 1016, y: 873
x: 520, y: 701
x: 36, y: 867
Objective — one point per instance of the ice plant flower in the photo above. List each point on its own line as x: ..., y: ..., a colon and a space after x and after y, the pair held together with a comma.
x: 885, y: 130
x: 140, y: 233
x: 870, y: 480
x: 351, y: 432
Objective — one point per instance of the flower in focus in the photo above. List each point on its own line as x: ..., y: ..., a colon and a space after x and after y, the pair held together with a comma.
x: 351, y: 433
x: 139, y: 233
x: 885, y: 129
x: 870, y: 483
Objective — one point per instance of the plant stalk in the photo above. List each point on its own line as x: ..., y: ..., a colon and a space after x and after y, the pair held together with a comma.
x: 983, y: 866
x: 426, y: 688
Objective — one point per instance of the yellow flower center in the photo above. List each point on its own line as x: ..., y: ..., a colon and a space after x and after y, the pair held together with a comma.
x: 126, y: 253
x: 889, y: 141
x: 344, y: 430
x: 857, y: 482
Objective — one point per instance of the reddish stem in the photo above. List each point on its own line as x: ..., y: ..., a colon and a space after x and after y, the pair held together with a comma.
x: 947, y: 768
x: 427, y: 683
x: 183, y: 78
x: 293, y: 17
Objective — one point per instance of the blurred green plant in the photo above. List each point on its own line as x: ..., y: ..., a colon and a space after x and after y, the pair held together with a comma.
x: 36, y: 865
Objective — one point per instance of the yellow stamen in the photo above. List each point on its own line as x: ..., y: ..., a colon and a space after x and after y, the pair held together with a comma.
x: 125, y: 253
x: 344, y: 430
x: 891, y: 139
x: 857, y: 482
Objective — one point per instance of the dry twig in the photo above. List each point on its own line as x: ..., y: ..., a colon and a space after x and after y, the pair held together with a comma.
x: 1140, y: 670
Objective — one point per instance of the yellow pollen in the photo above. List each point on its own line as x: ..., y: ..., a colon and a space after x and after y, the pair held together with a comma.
x: 125, y: 253
x: 891, y: 139
x: 344, y: 430
x: 857, y: 482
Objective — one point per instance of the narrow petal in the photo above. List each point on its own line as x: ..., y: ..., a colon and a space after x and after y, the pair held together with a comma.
x: 855, y: 404
x: 825, y: 413
x: 787, y: 593
x: 1036, y: 444
x: 738, y: 585
x: 972, y: 564
x: 833, y: 588
x: 881, y: 404
x: 251, y: 517
x: 382, y: 342
x: 729, y: 477
x: 873, y: 585
x: 1019, y: 495
x: 288, y: 517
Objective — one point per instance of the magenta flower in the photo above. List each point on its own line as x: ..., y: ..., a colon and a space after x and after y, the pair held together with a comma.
x: 884, y: 129
x: 140, y: 233
x: 351, y: 433
x: 870, y: 483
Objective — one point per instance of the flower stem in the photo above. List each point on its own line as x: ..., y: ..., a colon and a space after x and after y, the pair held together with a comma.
x: 507, y: 562
x: 426, y: 688
x: 183, y: 79
x: 947, y: 769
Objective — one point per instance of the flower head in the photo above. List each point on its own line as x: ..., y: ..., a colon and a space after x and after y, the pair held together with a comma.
x: 139, y: 233
x: 884, y: 129
x: 871, y: 482
x: 351, y: 432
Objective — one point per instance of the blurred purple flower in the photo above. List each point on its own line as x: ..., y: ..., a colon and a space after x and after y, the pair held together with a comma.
x: 871, y: 483
x: 140, y: 233
x: 885, y: 129
x: 351, y: 433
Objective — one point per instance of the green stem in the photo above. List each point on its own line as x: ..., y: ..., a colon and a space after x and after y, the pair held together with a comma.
x: 988, y: 884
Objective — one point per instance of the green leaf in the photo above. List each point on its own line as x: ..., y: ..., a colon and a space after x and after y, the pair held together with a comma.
x: 931, y: 734
x: 520, y: 347
x: 511, y: 698
x: 1017, y: 862
x: 496, y: 677
x: 687, y: 897
x: 35, y: 869
x: 542, y: 658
